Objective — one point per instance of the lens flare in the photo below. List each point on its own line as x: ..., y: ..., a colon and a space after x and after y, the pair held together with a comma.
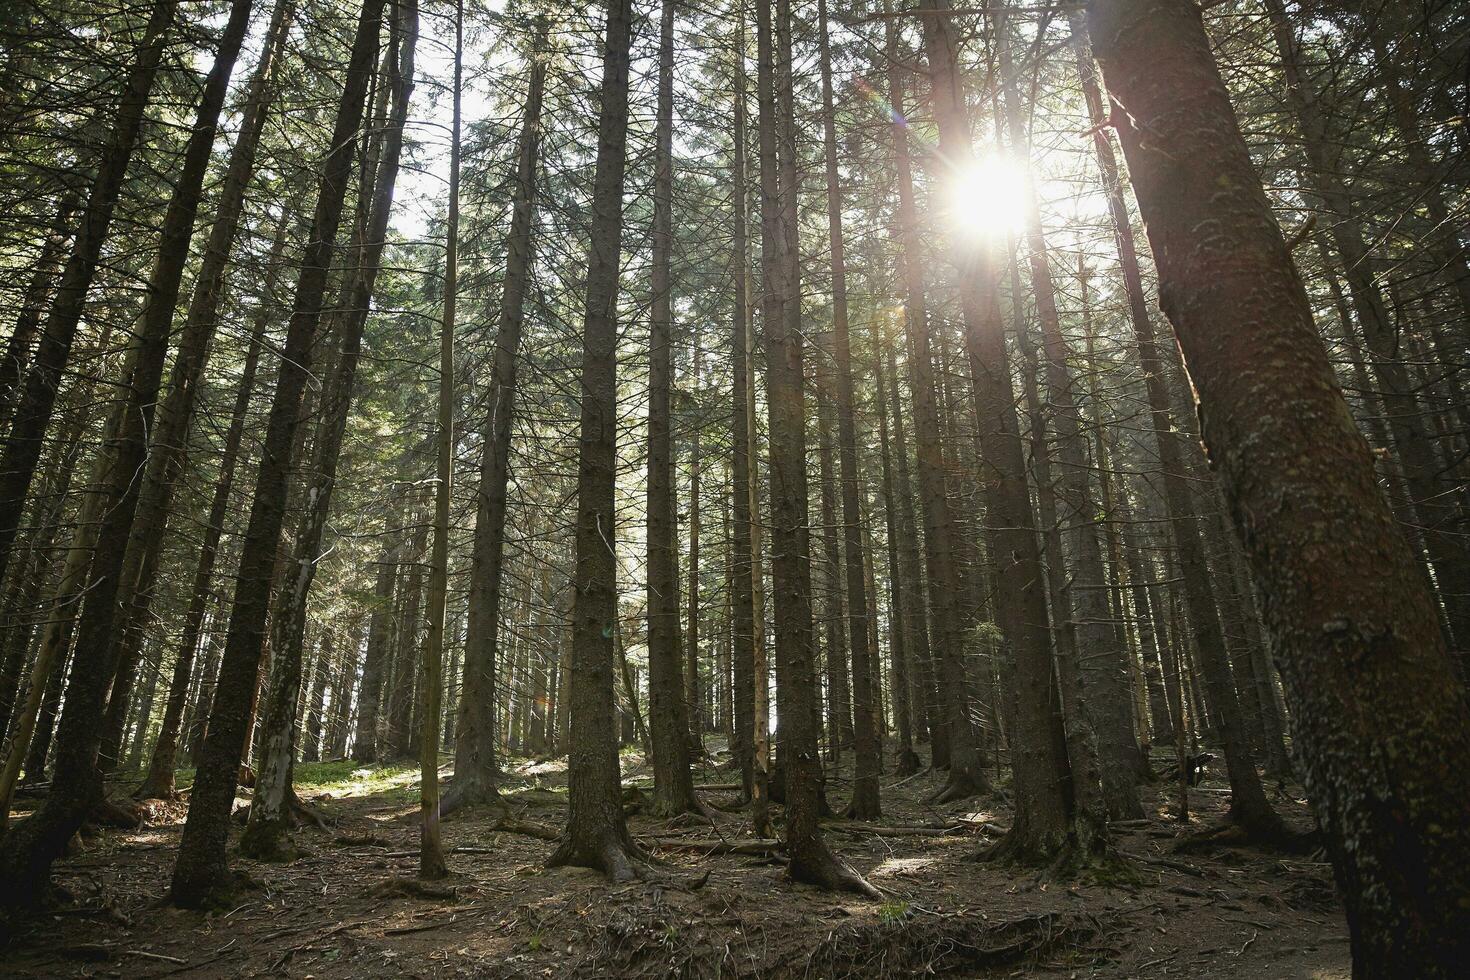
x: 986, y: 199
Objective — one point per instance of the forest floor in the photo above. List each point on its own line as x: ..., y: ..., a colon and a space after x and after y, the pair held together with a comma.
x: 350, y: 906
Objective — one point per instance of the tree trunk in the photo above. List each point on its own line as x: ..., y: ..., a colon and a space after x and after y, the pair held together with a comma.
x: 811, y: 860
x: 596, y: 834
x: 966, y: 769
x: 668, y: 713
x: 431, y: 848
x: 474, y: 737
x: 159, y: 781
x: 1248, y: 806
x: 1103, y: 661
x: 167, y: 445
x: 28, y: 851
x: 1341, y: 598
x: 201, y: 868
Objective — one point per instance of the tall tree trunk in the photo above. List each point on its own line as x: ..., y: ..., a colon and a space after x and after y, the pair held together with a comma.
x: 158, y: 783
x: 168, y: 441
x: 811, y: 860
x: 668, y: 713
x: 474, y: 736
x: 431, y: 848
x: 1045, y: 758
x: 1248, y: 805
x: 906, y: 708
x: 1380, y: 719
x: 1103, y: 661
x: 596, y: 834
x: 271, y: 809
x: 839, y: 680
x: 201, y: 868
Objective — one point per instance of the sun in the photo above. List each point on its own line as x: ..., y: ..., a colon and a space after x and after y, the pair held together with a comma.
x: 986, y: 199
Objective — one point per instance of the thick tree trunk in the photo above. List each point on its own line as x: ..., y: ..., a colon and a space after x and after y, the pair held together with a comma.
x: 375, y: 664
x: 1248, y: 805
x: 1381, y: 725
x: 201, y: 869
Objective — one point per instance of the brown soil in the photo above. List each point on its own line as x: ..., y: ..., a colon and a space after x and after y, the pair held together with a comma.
x: 350, y: 907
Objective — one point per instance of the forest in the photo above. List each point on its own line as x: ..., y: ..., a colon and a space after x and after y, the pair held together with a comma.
x: 735, y: 488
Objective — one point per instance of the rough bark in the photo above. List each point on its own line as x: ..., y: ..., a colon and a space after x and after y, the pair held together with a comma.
x: 28, y: 851
x: 1248, y: 805
x: 596, y: 834
x: 1381, y: 726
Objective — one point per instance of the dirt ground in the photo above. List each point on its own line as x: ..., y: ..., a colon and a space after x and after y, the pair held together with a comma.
x: 349, y: 908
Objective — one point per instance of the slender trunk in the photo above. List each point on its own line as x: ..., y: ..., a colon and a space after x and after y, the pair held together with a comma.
x: 966, y: 768
x: 159, y: 781
x: 375, y: 665
x: 270, y: 811
x: 431, y: 848
x: 474, y: 737
x: 811, y: 860
x: 1103, y: 661
x: 29, y: 850
x: 167, y: 443
x: 903, y: 674
x: 596, y: 834
x: 668, y: 713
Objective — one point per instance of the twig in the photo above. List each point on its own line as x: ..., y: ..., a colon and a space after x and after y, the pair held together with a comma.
x: 155, y: 956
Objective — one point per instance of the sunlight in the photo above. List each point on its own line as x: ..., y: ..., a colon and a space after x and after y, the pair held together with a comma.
x: 987, y: 198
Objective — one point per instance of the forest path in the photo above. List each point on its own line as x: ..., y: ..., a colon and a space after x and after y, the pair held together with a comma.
x: 347, y: 907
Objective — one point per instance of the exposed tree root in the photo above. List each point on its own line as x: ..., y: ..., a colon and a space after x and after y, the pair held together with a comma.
x: 1233, y: 834
x: 814, y: 863
x: 405, y: 887
x: 911, y: 945
x: 510, y: 825
x: 616, y: 856
x: 122, y: 814
x: 959, y: 787
x: 459, y: 795
x: 749, y: 848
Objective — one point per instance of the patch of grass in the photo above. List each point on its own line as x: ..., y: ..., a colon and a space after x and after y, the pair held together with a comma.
x: 893, y: 911
x: 345, y: 778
